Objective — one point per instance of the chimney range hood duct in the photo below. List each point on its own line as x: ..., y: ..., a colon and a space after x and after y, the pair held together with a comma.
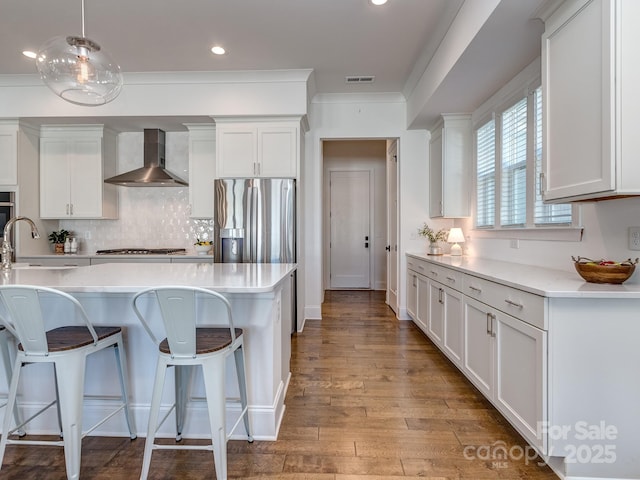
x: 153, y: 173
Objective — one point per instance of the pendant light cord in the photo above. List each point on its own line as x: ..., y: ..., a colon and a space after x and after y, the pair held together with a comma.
x: 83, y: 19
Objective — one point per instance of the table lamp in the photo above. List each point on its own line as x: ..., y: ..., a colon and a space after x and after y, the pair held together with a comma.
x: 456, y: 236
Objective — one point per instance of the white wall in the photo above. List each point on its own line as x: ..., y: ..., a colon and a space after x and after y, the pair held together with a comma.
x: 605, y: 236
x: 362, y: 117
x: 370, y: 156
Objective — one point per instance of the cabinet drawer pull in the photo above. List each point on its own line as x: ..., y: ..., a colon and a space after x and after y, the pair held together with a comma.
x: 513, y: 304
x: 475, y: 289
x: 421, y: 267
x: 451, y: 279
x: 434, y: 273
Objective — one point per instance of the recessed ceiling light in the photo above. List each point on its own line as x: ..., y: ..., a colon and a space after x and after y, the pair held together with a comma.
x: 378, y: 2
x: 218, y: 50
x: 29, y: 53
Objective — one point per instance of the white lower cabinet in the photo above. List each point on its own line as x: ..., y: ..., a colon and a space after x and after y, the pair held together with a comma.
x: 418, y: 299
x: 412, y: 294
x: 496, y: 335
x: 435, y: 327
x: 505, y: 358
x: 423, y: 300
x: 453, y: 326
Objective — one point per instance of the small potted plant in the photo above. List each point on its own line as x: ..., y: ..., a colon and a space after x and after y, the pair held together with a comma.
x: 434, y: 238
x: 58, y: 238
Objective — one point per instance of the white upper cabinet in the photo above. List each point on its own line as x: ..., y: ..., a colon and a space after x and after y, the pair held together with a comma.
x: 74, y: 160
x: 202, y: 169
x: 257, y: 149
x: 590, y: 75
x: 9, y: 153
x: 450, y: 167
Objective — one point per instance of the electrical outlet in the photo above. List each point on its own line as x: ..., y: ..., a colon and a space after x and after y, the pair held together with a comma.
x: 634, y: 238
x: 515, y: 243
x: 87, y: 235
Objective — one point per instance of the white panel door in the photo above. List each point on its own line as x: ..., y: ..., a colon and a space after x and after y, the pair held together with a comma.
x: 392, y: 227
x: 453, y: 317
x: 436, y: 312
x: 521, y: 375
x: 85, y: 172
x: 350, y: 238
x: 54, y: 178
x: 478, y: 346
x: 422, y: 312
x: 236, y: 151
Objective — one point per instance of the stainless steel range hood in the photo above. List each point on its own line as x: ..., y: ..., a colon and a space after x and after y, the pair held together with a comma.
x: 153, y: 173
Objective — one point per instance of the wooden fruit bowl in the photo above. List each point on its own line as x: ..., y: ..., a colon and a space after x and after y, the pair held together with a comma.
x: 601, y: 271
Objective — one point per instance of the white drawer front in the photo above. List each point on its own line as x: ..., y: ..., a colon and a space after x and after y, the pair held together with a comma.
x: 417, y: 265
x: 446, y: 276
x: 522, y: 305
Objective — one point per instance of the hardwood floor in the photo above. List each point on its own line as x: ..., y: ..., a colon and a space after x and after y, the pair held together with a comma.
x: 370, y: 398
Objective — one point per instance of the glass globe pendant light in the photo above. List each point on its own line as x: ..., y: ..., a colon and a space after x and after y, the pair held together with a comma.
x: 78, y: 70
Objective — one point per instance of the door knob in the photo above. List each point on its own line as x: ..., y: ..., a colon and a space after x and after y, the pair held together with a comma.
x: 388, y: 248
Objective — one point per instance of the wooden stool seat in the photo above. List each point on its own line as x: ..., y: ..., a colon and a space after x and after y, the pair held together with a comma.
x: 68, y: 338
x: 208, y: 340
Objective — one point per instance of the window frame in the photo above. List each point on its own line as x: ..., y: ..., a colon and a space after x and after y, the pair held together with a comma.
x: 523, y: 85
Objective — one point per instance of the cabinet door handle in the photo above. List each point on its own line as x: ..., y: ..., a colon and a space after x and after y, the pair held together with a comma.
x: 415, y: 277
x: 475, y: 289
x: 513, y: 304
x: 440, y: 291
x: 490, y: 325
x: 71, y: 209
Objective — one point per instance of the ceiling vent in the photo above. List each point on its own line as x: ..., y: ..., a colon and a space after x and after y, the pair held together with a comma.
x: 360, y: 79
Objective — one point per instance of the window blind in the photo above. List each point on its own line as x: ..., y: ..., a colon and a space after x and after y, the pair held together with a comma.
x: 486, y: 175
x: 513, y: 165
x: 545, y: 214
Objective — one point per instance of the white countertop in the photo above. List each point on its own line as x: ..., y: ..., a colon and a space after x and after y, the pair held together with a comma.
x: 132, y: 277
x: 546, y: 282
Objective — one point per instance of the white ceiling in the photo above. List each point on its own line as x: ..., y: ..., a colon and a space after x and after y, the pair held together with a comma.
x: 335, y: 38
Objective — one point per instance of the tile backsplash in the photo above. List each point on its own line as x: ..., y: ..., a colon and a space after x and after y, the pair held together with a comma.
x: 148, y: 217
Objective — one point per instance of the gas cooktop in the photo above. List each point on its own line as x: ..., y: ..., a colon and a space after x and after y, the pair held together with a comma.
x: 142, y: 251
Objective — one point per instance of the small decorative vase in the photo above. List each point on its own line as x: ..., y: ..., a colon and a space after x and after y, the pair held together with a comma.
x: 58, y: 248
x: 435, y: 249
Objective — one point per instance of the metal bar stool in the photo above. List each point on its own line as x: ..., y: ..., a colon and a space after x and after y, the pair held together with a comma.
x: 190, y: 342
x: 66, y: 348
x: 5, y: 339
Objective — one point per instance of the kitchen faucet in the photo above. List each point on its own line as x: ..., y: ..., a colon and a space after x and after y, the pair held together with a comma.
x: 6, y: 244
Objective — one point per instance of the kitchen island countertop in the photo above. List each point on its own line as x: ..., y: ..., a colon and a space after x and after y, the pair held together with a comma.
x: 132, y: 277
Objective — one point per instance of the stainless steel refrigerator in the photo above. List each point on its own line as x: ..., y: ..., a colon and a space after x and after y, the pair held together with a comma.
x: 254, y: 220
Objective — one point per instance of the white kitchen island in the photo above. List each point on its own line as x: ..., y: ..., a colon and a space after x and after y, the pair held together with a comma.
x: 260, y: 295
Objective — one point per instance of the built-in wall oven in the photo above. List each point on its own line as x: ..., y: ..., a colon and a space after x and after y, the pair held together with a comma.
x: 7, y: 211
